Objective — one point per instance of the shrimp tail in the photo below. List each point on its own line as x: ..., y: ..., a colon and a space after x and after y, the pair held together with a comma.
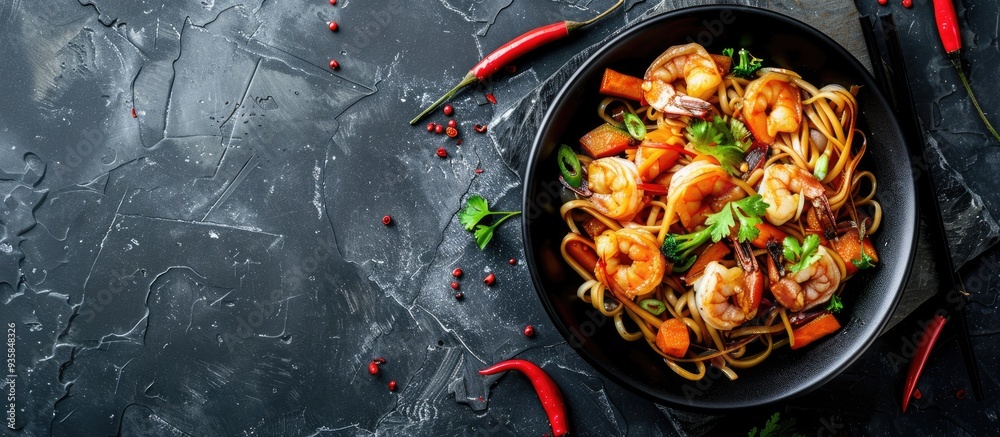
x: 775, y: 260
x: 826, y: 213
x: 756, y: 158
x: 753, y: 279
x: 687, y: 105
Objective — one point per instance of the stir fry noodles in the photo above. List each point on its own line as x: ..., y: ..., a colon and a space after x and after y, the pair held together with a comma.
x: 718, y: 211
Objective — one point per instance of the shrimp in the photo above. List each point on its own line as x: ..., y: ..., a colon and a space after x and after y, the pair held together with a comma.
x: 772, y: 104
x: 696, y: 67
x: 630, y: 261
x: 614, y: 184
x: 728, y: 297
x: 703, y: 188
x: 805, y: 288
x: 782, y: 187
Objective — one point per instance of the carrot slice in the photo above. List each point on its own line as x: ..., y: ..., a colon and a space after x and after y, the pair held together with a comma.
x: 605, y: 140
x: 723, y: 62
x: 666, y: 146
x: 673, y: 338
x: 814, y: 330
x: 594, y: 227
x: 583, y: 254
x: 621, y: 85
x: 767, y: 232
x: 714, y: 252
x: 849, y: 248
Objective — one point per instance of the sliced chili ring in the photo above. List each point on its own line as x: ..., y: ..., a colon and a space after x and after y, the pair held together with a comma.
x: 636, y: 128
x: 654, y: 306
x: 569, y: 166
x: 655, y: 189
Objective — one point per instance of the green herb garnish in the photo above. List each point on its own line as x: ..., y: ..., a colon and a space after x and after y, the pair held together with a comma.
x: 723, y: 138
x: 678, y: 248
x: 476, y: 209
x: 804, y: 255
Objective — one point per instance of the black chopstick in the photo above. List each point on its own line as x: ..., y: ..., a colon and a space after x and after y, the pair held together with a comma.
x: 889, y: 68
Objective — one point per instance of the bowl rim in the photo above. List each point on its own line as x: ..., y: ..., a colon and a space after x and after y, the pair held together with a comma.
x: 910, y: 220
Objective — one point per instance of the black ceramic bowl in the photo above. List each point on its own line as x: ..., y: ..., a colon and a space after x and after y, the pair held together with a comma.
x: 870, y: 298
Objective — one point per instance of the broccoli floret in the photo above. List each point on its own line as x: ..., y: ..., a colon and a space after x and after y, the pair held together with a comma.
x: 678, y: 248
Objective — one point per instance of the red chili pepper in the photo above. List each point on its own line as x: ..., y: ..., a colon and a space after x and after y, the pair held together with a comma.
x: 947, y: 24
x: 931, y: 333
x: 546, y: 389
x: 490, y: 98
x: 655, y: 189
x: 512, y: 50
x: 951, y: 40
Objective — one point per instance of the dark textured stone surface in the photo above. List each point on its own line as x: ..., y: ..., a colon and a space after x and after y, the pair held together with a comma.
x: 217, y: 265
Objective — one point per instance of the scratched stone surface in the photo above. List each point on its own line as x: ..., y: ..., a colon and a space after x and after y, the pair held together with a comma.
x: 216, y: 264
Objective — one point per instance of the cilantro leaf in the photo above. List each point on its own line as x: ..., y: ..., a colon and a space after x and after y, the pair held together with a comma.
x: 748, y: 211
x: 475, y: 209
x: 679, y: 249
x: 802, y: 256
x: 775, y: 427
x: 835, y: 304
x: 483, y: 235
x: 721, y: 222
x: 746, y: 65
x: 722, y: 138
x: 866, y: 262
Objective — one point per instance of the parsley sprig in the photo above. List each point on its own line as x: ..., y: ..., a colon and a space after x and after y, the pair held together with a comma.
x: 801, y: 255
x: 747, y: 212
x: 746, y: 64
x: 835, y: 304
x: 775, y: 427
x: 866, y: 262
x: 476, y: 209
x: 726, y: 139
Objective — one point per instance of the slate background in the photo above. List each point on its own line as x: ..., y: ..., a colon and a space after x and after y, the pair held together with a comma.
x: 217, y: 265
